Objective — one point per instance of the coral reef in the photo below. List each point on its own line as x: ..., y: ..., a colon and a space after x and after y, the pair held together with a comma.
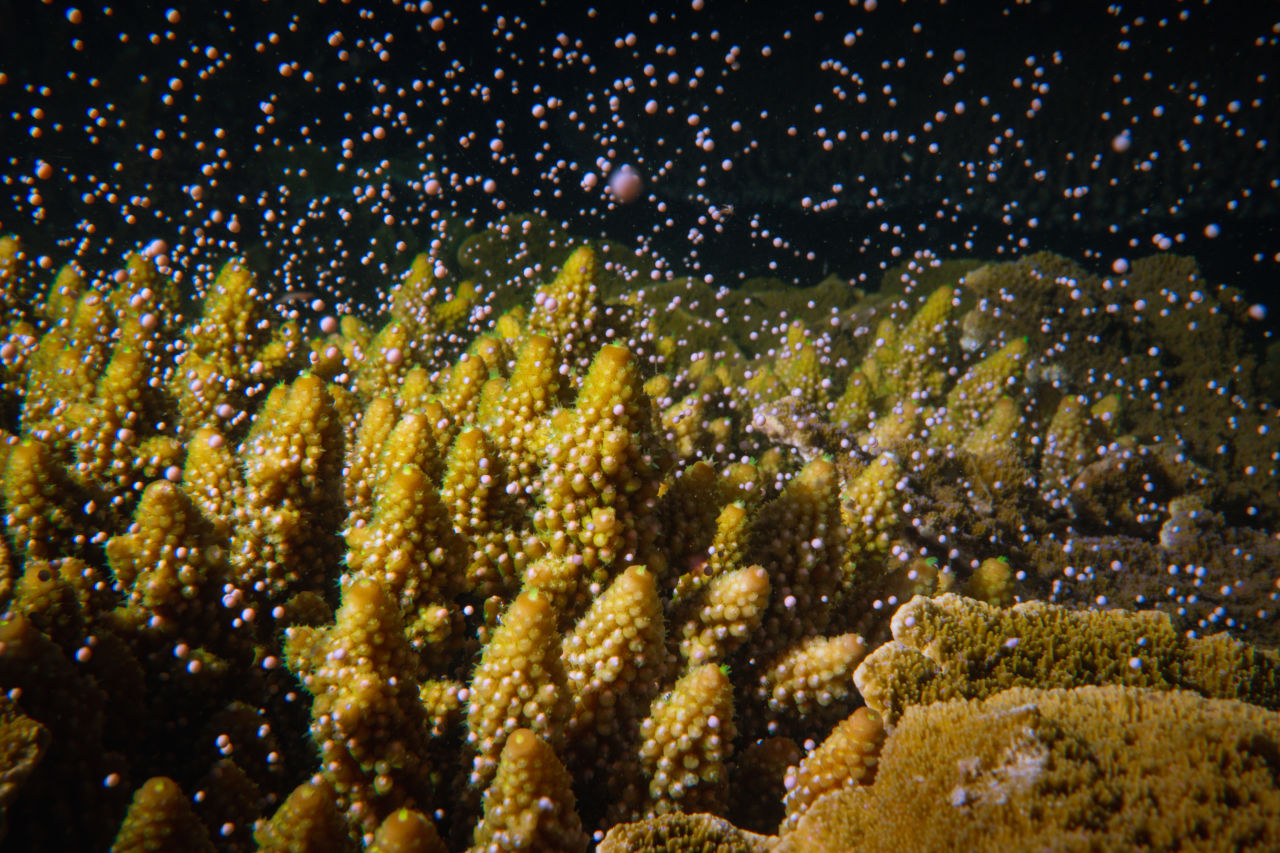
x: 580, y: 572
x: 699, y: 833
x: 951, y: 647
x: 1088, y: 768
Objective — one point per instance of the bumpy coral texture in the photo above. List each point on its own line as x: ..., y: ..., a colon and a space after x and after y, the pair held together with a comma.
x: 535, y: 569
x: 1063, y: 769
x: 952, y: 647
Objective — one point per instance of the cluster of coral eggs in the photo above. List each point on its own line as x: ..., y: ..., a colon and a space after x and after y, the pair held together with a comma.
x: 368, y: 589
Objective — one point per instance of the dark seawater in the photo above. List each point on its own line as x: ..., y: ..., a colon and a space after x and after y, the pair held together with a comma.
x: 795, y: 140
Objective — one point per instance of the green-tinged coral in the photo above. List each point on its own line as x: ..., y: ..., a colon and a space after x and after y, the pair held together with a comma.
x: 901, y: 365
x: 952, y: 647
x: 1090, y: 768
x: 799, y: 367
x: 991, y: 582
x: 970, y: 400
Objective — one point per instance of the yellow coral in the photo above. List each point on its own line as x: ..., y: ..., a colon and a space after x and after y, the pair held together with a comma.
x: 308, y: 819
x: 519, y: 683
x: 601, y: 480
x: 161, y: 818
x: 530, y: 805
x: 952, y: 647
x: 970, y: 401
x: 869, y: 508
x: 1088, y: 768
x: 366, y: 718
x: 797, y: 539
x: 411, y: 550
x: 477, y: 505
x: 814, y: 674
x: 173, y: 563
x: 614, y: 658
x: 845, y: 759
x: 376, y: 423
x: 724, y: 614
x: 567, y: 309
x: 484, y: 509
x: 407, y: 831
x: 687, y: 738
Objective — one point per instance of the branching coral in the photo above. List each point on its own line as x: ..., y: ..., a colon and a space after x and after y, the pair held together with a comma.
x: 512, y: 580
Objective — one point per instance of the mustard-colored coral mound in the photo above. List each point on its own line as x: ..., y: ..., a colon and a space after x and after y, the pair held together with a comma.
x: 953, y: 647
x: 682, y: 833
x: 1094, y: 768
x: 530, y: 805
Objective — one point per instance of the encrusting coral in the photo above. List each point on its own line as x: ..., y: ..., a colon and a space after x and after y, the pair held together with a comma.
x: 951, y: 647
x: 1089, y: 768
x: 557, y: 577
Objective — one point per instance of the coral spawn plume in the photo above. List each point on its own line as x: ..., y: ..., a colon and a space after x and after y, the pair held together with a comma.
x: 707, y: 426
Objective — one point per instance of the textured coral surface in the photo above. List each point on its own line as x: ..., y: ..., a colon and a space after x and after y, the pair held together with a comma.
x: 590, y: 571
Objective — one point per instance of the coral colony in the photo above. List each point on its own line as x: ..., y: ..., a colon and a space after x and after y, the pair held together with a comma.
x: 718, y: 426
